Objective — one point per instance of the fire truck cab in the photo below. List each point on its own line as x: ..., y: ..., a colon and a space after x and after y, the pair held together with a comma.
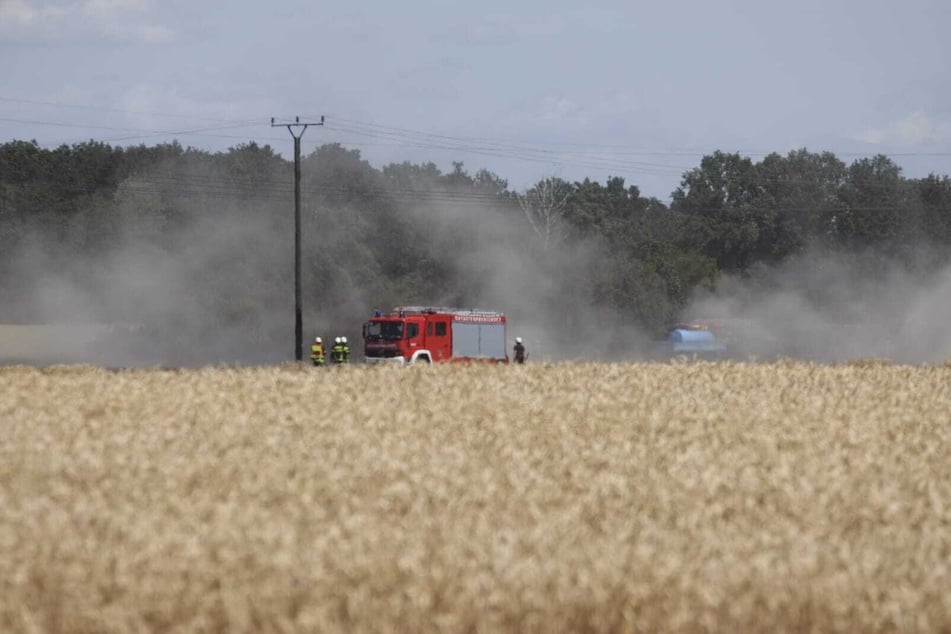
x: 411, y: 334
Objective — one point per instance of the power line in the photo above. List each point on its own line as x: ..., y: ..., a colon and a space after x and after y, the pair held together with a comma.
x: 54, y: 104
x: 144, y: 132
x: 604, y: 158
x: 539, y: 156
x: 383, y: 130
x: 272, y: 190
x: 750, y: 182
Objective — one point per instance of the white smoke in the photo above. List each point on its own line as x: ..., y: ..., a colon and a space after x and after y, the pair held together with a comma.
x: 834, y: 307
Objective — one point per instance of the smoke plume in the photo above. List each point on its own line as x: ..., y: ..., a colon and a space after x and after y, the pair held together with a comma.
x: 833, y: 307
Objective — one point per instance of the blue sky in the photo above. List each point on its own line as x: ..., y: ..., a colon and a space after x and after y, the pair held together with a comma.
x: 527, y: 90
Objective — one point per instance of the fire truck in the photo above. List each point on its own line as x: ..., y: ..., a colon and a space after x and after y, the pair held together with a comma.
x: 425, y: 334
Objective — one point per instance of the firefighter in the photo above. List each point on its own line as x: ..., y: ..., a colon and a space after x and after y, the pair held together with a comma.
x: 346, y: 350
x: 520, y: 353
x: 336, y: 353
x: 317, y: 351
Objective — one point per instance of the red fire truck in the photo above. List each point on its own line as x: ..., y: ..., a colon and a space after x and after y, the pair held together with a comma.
x: 411, y: 334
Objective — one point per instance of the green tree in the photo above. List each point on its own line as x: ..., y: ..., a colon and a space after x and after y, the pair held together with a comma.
x: 254, y: 170
x: 334, y: 175
x: 408, y: 176
x: 872, y: 200
x: 728, y: 222
x: 802, y: 190
x: 934, y: 198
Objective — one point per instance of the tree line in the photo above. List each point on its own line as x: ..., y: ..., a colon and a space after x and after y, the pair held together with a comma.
x: 208, y: 233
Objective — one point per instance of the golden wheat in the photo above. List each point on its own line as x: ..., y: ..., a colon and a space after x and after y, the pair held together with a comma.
x: 700, y: 497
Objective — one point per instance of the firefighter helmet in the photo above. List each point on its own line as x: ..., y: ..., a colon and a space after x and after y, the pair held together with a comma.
x: 318, y: 340
x: 343, y: 340
x: 518, y: 340
x: 336, y: 339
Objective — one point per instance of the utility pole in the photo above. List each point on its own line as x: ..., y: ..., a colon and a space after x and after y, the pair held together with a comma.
x: 298, y: 318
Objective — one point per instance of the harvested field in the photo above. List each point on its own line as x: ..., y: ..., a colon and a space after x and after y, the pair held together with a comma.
x: 703, y: 497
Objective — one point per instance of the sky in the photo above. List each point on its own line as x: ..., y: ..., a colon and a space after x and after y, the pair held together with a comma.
x: 527, y: 90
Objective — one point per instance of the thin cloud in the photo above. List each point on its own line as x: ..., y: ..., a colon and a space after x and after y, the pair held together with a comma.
x: 112, y: 6
x: 21, y: 13
x: 915, y: 130
x: 872, y: 136
x: 143, y: 101
x: 115, y: 20
x: 154, y: 34
x: 487, y: 33
x: 560, y: 109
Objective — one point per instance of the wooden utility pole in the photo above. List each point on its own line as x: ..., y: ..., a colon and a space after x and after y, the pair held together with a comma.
x: 298, y: 311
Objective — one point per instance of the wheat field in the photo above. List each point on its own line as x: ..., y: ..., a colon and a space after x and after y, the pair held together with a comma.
x: 576, y: 497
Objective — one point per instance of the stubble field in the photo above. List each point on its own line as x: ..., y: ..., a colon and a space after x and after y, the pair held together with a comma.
x: 699, y: 497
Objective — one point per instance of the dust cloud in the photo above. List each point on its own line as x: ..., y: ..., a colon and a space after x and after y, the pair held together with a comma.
x: 500, y: 264
x: 212, y: 290
x: 833, y: 307
x: 218, y: 287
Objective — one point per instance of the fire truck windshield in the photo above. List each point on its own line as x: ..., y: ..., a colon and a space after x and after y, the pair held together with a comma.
x: 385, y: 330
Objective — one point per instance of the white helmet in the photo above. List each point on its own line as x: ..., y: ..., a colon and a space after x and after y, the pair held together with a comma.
x: 343, y: 340
x: 336, y: 339
x: 518, y: 340
x: 317, y: 340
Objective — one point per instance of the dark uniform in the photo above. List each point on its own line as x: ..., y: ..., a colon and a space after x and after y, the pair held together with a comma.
x: 520, y: 354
